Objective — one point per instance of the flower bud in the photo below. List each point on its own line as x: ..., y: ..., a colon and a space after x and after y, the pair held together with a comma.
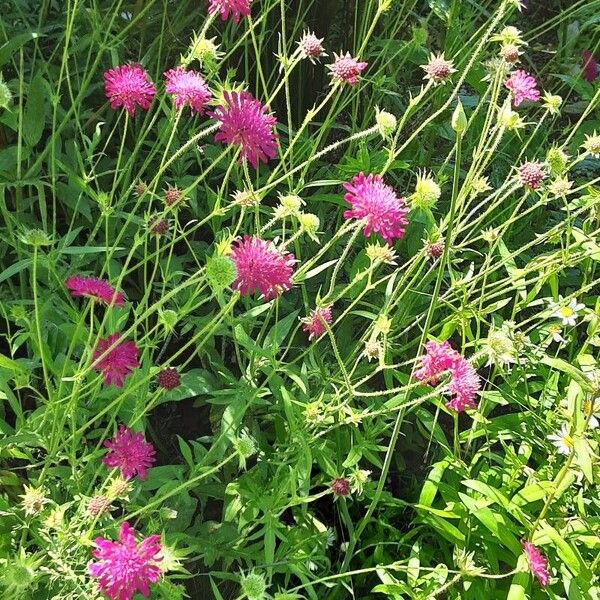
x: 459, y: 118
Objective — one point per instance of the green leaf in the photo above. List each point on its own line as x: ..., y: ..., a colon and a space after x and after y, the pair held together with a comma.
x: 16, y: 41
x: 520, y: 581
x: 562, y: 365
x: 35, y: 111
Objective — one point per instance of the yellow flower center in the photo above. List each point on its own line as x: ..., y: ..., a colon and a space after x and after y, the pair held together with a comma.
x: 566, y: 312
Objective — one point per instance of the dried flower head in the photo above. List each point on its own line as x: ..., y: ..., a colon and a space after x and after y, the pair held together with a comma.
x: 373, y: 349
x: 592, y: 145
x: 204, y: 50
x: 129, y: 86
x: 260, y: 266
x: 126, y: 567
x: 377, y: 203
x: 311, y: 46
x: 438, y: 69
x: 246, y: 123
x: 381, y: 253
x: 480, y: 185
x: 561, y: 186
x: 510, y: 53
x: 118, y: 488
x: 289, y: 205
x: 340, y: 486
x: 33, y: 500
x: 98, y: 505
x: 346, y: 69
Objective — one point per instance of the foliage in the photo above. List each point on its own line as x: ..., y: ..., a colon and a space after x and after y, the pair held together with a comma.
x: 299, y: 449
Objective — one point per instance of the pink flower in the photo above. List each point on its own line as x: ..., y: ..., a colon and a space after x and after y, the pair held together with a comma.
x: 238, y: 8
x: 125, y: 567
x: 523, y: 87
x: 118, y: 363
x: 188, y: 88
x: 439, y: 358
x: 373, y: 200
x: 261, y: 266
x: 313, y: 324
x: 246, y: 123
x: 311, y: 47
x: 438, y: 69
x: 538, y: 564
x: 532, y: 174
x: 590, y: 66
x: 463, y: 386
x: 129, y: 86
x: 346, y: 69
x: 92, y: 287
x: 130, y: 453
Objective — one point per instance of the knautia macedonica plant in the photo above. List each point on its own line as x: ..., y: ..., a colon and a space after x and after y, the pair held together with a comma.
x: 299, y: 301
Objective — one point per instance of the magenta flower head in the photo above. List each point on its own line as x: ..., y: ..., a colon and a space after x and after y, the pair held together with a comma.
x: 523, y: 86
x: 538, y: 564
x: 130, y: 453
x: 238, y: 8
x: 590, y: 66
x: 129, y: 86
x: 118, y: 363
x: 261, y: 266
x: 314, y: 324
x: 168, y: 378
x: 94, y: 288
x: 246, y: 123
x: 439, y: 358
x: 188, y: 88
x: 311, y: 46
x: 125, y: 567
x: 377, y: 203
x: 463, y: 386
x: 346, y: 69
x: 532, y: 174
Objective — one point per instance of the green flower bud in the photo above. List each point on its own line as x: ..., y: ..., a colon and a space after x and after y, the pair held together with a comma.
x: 220, y: 272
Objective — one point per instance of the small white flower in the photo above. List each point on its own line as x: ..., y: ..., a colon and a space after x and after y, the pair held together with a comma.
x: 567, y: 314
x: 555, y: 330
x: 562, y: 440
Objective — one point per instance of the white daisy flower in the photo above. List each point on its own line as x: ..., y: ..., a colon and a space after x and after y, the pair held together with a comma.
x: 562, y: 440
x: 555, y: 330
x: 567, y: 313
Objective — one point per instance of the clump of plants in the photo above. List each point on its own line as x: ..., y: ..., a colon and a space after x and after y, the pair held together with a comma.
x: 299, y: 301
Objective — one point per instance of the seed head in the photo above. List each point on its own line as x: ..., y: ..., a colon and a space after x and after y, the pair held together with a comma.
x: 386, y: 123
x: 532, y: 174
x: 220, y: 272
x: 33, y: 500
x: 173, y: 196
x: 510, y: 53
x: 158, y: 225
x: 557, y: 160
x: 98, y: 505
x: 310, y: 225
x: 311, y: 47
x: 168, y: 378
x: 427, y: 192
x: 254, y: 586
x: 434, y: 249
x: 552, y: 103
x: 592, y: 144
x: 340, y: 487
x: 438, y: 69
